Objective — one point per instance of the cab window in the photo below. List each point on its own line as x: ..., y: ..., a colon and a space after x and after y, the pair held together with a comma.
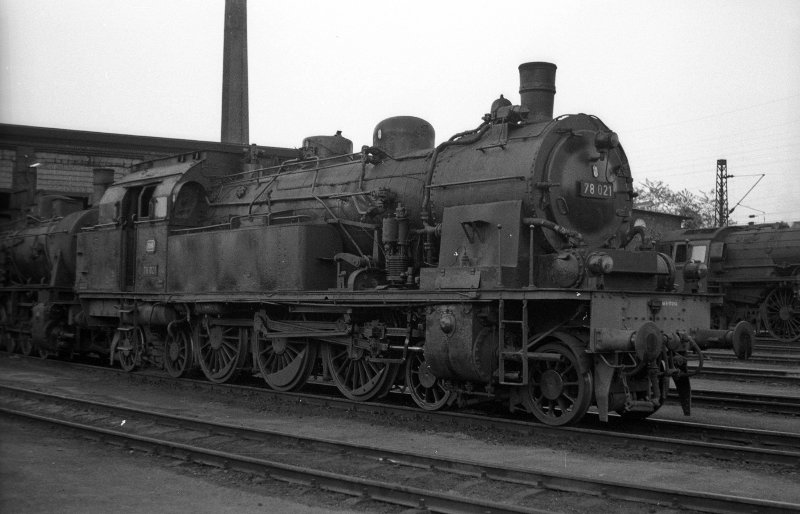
x: 680, y: 253
x: 690, y: 252
x: 699, y: 252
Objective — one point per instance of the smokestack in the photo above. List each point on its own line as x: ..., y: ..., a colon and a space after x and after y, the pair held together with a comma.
x: 235, y: 107
x: 537, y: 89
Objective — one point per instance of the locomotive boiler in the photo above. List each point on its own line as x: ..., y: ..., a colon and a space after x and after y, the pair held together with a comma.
x: 756, y: 268
x: 490, y: 266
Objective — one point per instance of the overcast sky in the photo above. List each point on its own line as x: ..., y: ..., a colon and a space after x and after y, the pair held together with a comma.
x: 683, y: 83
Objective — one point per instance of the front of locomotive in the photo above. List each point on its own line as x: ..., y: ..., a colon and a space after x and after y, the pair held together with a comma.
x: 590, y: 283
x: 639, y: 331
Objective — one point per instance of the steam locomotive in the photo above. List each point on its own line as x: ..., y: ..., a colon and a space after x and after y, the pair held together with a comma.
x: 755, y: 267
x: 491, y: 266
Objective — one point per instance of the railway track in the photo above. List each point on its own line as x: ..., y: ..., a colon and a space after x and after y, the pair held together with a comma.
x: 782, y: 376
x: 766, y: 344
x: 792, y: 360
x: 786, y: 405
x: 403, y: 478
x: 686, y: 438
x: 760, y: 348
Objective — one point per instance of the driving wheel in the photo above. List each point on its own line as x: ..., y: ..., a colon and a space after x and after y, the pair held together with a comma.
x: 781, y: 314
x: 221, y: 351
x: 355, y: 375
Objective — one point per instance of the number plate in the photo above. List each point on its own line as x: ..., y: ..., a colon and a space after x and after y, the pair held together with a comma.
x: 596, y: 189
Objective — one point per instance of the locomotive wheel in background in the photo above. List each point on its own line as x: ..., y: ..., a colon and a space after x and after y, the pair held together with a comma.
x: 781, y: 314
x: 221, y: 351
x: 178, y: 356
x: 9, y: 344
x: 355, y: 376
x: 284, y: 363
x: 426, y: 390
x: 559, y: 392
x: 130, y: 348
x: 24, y: 344
x: 42, y: 353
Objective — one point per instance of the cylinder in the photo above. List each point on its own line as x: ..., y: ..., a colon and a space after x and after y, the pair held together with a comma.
x: 537, y: 89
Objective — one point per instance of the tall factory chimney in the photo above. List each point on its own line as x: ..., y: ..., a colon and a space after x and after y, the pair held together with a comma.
x: 235, y: 107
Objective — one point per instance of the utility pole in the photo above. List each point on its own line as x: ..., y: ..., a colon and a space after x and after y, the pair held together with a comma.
x: 721, y: 194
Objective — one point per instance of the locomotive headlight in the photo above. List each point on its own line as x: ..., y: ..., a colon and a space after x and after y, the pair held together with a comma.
x: 694, y: 271
x: 606, y: 140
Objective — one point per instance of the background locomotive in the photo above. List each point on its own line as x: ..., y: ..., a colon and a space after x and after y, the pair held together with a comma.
x: 490, y: 266
x: 755, y: 267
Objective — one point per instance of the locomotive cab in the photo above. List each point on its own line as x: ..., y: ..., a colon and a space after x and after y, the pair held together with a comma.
x: 136, y: 215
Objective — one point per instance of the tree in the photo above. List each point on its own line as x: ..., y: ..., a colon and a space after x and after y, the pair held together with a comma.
x: 658, y: 197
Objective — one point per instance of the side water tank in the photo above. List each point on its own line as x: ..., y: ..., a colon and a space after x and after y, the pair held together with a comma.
x: 403, y: 135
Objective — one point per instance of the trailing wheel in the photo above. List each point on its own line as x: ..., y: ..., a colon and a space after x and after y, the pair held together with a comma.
x: 559, y: 392
x: 284, y: 363
x: 221, y: 350
x: 426, y: 389
x: 354, y: 375
x: 129, y: 347
x: 178, y: 352
x: 781, y: 314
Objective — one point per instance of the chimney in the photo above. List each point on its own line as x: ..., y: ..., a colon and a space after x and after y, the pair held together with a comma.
x: 235, y: 115
x: 101, y: 179
x: 537, y: 88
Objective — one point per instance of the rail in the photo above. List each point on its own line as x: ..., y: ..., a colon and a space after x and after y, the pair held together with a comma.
x: 215, y: 444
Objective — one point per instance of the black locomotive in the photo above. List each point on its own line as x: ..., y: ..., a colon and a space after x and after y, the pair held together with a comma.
x: 755, y: 267
x: 491, y: 266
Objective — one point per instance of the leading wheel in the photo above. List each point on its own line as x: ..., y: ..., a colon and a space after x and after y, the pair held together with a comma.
x: 560, y: 392
x: 130, y: 347
x: 781, y: 314
x: 354, y: 375
x: 221, y: 351
x: 178, y: 356
x: 426, y: 389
